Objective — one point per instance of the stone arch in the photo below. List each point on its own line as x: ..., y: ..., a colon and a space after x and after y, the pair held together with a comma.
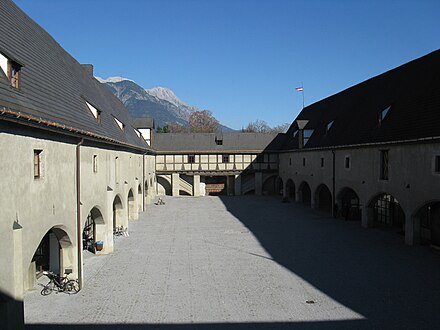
x: 131, y: 206
x: 164, y: 186
x: 94, y: 229
x: 118, y: 213
x: 386, y: 211
x: 427, y: 223
x: 323, y: 198
x: 55, y: 252
x: 304, y: 193
x: 290, y: 190
x: 348, y: 206
x: 269, y: 185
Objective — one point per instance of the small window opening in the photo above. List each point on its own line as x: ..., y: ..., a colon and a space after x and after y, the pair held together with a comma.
x: 384, y: 165
x: 95, y: 112
x: 295, y: 133
x: 322, y: 161
x: 37, y: 163
x: 437, y: 164
x: 329, y: 125
x: 383, y: 114
x: 290, y: 161
x: 191, y: 159
x: 14, y: 73
x: 219, y: 142
x: 120, y: 124
x: 95, y: 163
x: 225, y: 159
x: 304, y: 162
x: 347, y: 162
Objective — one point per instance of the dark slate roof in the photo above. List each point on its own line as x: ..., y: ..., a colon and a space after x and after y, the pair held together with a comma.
x: 206, y: 142
x: 412, y: 91
x: 144, y: 122
x: 54, y: 86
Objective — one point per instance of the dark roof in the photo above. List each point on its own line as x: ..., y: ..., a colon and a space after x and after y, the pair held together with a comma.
x: 54, y: 87
x: 411, y: 91
x: 206, y: 142
x: 144, y: 122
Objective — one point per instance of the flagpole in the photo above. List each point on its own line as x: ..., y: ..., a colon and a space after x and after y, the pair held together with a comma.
x: 302, y: 86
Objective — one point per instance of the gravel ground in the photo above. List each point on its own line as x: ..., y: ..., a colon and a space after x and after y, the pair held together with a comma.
x: 248, y: 263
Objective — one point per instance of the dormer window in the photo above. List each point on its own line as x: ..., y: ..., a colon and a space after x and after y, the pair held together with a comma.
x: 329, y: 125
x: 95, y: 112
x: 383, y: 113
x: 307, y: 134
x: 295, y: 133
x: 11, y: 69
x: 120, y: 124
x: 219, y: 142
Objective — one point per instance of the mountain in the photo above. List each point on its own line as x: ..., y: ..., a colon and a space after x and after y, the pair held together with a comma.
x: 159, y: 103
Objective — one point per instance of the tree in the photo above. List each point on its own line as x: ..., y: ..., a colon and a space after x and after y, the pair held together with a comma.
x: 164, y: 129
x: 281, y: 128
x: 258, y: 126
x: 177, y: 128
x: 203, y: 122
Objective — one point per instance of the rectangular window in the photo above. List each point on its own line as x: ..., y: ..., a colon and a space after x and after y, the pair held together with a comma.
x: 437, y: 164
x: 290, y: 161
x: 95, y: 163
x: 322, y: 161
x: 384, y: 165
x: 191, y: 159
x: 347, y: 162
x: 116, y: 169
x: 37, y: 163
x: 304, y: 162
x: 260, y: 159
x: 225, y: 159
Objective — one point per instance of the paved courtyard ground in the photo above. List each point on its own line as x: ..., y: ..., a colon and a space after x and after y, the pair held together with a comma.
x: 248, y: 263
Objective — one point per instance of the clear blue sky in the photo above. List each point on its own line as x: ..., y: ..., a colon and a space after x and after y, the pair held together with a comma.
x: 242, y: 59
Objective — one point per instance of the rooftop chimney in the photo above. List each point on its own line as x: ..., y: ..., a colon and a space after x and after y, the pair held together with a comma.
x: 88, y: 68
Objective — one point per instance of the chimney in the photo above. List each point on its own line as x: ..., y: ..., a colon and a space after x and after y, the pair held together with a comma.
x: 88, y: 68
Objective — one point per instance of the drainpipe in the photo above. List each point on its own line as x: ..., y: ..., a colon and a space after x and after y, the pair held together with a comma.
x: 143, y: 182
x: 78, y: 211
x: 333, y: 187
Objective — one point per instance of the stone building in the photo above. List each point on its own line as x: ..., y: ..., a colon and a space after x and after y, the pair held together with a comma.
x: 73, y: 166
x: 199, y: 164
x: 371, y: 152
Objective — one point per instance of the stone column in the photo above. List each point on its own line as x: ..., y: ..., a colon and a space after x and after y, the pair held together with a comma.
x: 196, y: 185
x: 237, y: 185
x: 175, y: 184
x: 367, y: 217
x: 258, y: 183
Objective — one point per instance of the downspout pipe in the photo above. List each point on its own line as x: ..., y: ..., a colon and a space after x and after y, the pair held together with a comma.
x: 143, y: 182
x: 78, y: 211
x: 333, y: 187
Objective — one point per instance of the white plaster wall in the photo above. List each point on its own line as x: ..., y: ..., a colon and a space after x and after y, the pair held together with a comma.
x: 37, y: 204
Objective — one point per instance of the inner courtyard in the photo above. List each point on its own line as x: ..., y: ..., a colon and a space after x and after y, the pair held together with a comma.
x: 247, y: 262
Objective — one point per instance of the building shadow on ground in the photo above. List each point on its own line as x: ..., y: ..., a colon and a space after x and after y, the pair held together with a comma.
x: 370, y: 271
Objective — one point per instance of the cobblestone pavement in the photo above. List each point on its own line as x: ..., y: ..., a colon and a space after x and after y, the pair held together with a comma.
x: 248, y: 262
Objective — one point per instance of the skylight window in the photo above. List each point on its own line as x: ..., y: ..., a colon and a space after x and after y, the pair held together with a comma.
x: 4, y: 63
x: 383, y: 113
x: 95, y: 112
x: 120, y: 124
x: 137, y: 133
x: 295, y: 133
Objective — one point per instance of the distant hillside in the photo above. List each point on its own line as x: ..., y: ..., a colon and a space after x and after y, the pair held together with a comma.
x: 159, y: 103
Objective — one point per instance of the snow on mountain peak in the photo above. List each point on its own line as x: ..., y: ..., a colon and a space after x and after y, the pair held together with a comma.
x: 112, y: 79
x: 165, y: 94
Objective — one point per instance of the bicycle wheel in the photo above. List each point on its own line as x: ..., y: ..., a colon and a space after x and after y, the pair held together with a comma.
x: 47, y: 289
x: 72, y: 286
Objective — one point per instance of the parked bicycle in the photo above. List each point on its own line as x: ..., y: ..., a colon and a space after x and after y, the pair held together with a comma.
x: 60, y: 283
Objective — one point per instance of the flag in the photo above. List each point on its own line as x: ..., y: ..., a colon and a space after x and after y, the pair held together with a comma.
x: 299, y: 89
